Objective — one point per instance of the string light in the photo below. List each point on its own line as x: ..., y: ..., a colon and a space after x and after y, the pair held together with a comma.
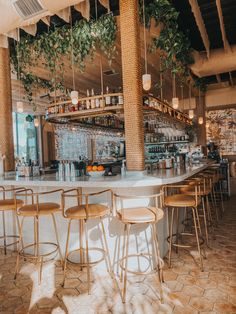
x: 175, y: 100
x: 191, y: 111
x: 74, y: 95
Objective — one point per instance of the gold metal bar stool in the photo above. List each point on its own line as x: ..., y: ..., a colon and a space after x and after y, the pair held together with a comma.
x: 36, y: 210
x: 84, y: 211
x: 134, y: 216
x: 8, y: 204
x: 176, y: 201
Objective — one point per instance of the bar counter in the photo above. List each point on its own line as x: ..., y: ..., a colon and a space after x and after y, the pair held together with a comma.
x: 131, y: 184
x: 130, y: 180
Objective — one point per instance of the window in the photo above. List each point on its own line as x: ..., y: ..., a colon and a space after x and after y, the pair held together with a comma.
x: 25, y: 137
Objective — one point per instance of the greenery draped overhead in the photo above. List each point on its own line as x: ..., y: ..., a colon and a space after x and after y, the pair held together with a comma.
x: 175, y: 46
x: 50, y: 49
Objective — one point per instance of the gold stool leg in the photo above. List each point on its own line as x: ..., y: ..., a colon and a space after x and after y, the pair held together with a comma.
x: 158, y: 257
x: 18, y: 249
x: 221, y: 197
x: 108, y: 262
x: 126, y: 263
x: 39, y: 261
x: 87, y: 256
x: 171, y: 235
x: 177, y: 230
x: 56, y: 233
x: 205, y: 220
x: 4, y: 233
x: 123, y: 253
x: 197, y: 238
x: 81, y: 234
x: 66, y: 252
x: 18, y: 226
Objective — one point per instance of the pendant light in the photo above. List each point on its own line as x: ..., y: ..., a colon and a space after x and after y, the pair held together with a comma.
x: 36, y: 122
x: 19, y: 103
x: 175, y: 100
x: 146, y: 78
x: 191, y: 111
x: 74, y: 95
x: 200, y: 118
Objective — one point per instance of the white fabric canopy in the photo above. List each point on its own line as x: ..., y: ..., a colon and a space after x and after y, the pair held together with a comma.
x: 10, y: 20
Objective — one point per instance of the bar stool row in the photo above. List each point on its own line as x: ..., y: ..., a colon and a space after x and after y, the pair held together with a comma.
x: 196, y: 196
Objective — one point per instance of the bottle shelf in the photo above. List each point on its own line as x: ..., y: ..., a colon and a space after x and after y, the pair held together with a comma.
x: 171, y: 142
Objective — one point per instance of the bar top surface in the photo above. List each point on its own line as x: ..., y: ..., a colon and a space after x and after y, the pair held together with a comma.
x: 130, y: 180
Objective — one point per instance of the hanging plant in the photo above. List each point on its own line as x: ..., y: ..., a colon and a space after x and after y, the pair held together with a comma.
x: 49, y: 49
x: 175, y: 46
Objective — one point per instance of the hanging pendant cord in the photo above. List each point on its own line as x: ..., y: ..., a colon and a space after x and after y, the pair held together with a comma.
x: 145, y: 38
x: 72, y: 50
x: 189, y: 95
x: 18, y: 64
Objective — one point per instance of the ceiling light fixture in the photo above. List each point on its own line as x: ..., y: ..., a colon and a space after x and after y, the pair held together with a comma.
x: 19, y: 103
x: 74, y: 95
x: 191, y: 111
x: 175, y: 100
x: 146, y: 78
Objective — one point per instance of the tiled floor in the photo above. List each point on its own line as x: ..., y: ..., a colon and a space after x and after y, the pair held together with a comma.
x: 186, y: 288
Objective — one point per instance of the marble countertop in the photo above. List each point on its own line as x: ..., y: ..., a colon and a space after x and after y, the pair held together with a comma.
x: 130, y: 180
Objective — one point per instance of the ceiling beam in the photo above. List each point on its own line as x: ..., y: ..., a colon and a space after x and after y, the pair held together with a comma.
x: 201, y: 25
x: 222, y: 26
x: 218, y: 78
x: 231, y: 79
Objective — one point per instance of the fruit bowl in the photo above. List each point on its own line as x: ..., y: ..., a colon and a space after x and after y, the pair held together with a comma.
x: 96, y: 174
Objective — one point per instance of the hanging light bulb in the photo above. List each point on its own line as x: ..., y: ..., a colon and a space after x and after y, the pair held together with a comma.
x: 146, y: 78
x: 147, y: 81
x: 191, y: 111
x: 74, y: 95
x: 175, y: 100
x: 36, y: 122
x: 207, y: 124
x: 200, y: 120
x: 19, y: 106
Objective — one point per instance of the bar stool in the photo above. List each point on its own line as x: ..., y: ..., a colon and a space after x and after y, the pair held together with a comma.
x: 83, y: 213
x: 204, y: 189
x: 134, y: 216
x: 36, y: 210
x: 177, y: 200
x: 8, y: 204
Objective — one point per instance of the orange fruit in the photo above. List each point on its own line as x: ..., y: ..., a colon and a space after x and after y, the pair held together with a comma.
x: 100, y: 168
x: 95, y: 168
x: 89, y: 168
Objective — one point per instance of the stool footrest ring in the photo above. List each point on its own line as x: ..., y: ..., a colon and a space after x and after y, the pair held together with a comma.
x: 9, y: 236
x: 146, y: 256
x: 188, y: 235
x: 34, y: 245
x: 84, y: 264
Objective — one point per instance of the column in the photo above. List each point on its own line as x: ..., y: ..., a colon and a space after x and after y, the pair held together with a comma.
x: 6, y: 127
x: 132, y: 85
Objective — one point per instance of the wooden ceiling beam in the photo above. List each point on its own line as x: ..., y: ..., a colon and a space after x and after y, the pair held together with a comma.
x: 200, y: 24
x: 222, y: 27
x: 231, y: 79
x: 218, y: 78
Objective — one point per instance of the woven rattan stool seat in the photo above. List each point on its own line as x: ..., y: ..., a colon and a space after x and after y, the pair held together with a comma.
x: 93, y: 211
x: 41, y: 209
x: 9, y: 204
x: 140, y: 215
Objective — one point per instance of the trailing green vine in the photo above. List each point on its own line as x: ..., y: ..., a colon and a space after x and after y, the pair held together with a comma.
x: 48, y: 49
x: 176, y: 51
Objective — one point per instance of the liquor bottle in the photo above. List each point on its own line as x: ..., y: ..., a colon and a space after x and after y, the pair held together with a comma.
x: 120, y: 97
x: 97, y: 102
x: 92, y: 100
x: 107, y: 98
x: 88, y: 101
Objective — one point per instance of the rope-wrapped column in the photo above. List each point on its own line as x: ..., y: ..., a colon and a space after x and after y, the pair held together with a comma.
x: 6, y: 128
x: 132, y: 85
